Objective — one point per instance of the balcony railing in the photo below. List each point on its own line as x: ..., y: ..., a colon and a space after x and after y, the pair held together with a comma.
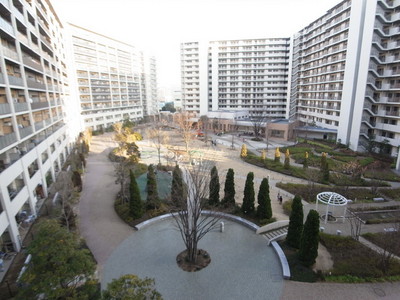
x: 39, y: 125
x: 10, y: 53
x: 23, y: 132
x: 13, y: 80
x: 8, y: 139
x: 6, y: 26
x: 32, y: 63
x: 20, y: 106
x: 5, y: 108
x: 37, y: 105
x: 36, y: 85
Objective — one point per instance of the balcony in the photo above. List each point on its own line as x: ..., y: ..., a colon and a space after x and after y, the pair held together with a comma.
x: 13, y: 80
x: 25, y: 131
x: 20, y: 106
x: 32, y: 63
x: 36, y: 84
x: 10, y: 53
x: 39, y: 105
x: 5, y: 108
x: 6, y: 26
x: 7, y: 139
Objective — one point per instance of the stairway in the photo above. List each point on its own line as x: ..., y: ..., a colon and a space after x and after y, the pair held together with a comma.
x: 275, y: 234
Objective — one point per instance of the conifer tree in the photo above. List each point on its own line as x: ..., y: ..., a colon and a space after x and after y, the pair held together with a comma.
x: 264, y: 209
x: 213, y: 198
x: 324, y: 168
x: 308, y: 251
x: 287, y: 159
x: 295, y: 223
x: 229, y: 189
x: 243, y: 152
x: 248, y: 199
x: 277, y: 155
x: 135, y: 201
x: 152, y: 192
x: 178, y: 194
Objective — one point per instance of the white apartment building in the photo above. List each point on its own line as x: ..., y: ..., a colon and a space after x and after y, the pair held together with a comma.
x: 107, y: 73
x: 149, y: 91
x: 34, y: 100
x: 231, y: 75
x: 346, y: 74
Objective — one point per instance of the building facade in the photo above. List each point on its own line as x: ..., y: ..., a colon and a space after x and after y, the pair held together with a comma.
x: 247, y: 74
x: 345, y: 75
x: 34, y: 105
x: 107, y: 73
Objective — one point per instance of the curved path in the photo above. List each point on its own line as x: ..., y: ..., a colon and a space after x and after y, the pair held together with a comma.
x: 104, y: 231
x: 101, y: 227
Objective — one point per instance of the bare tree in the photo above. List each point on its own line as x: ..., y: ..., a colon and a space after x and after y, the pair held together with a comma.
x: 258, y: 123
x: 192, y: 224
x: 158, y: 137
x: 389, y: 244
x: 355, y: 224
x: 185, y: 125
x: 204, y: 120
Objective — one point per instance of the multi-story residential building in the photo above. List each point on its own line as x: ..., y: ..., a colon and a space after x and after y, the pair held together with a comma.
x: 107, y: 73
x: 150, y: 101
x: 236, y: 75
x: 34, y: 100
x: 346, y: 74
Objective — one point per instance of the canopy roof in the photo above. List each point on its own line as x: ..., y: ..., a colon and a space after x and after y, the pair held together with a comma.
x: 331, y: 198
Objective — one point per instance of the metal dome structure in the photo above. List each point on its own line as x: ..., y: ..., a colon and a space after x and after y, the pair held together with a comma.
x: 331, y: 199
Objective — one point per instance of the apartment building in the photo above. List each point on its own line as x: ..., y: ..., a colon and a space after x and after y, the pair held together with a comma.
x: 231, y: 75
x: 107, y: 73
x: 345, y: 75
x: 34, y: 102
x: 148, y: 81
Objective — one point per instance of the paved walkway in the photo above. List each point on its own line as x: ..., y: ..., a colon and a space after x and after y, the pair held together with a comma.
x: 104, y: 231
x: 98, y: 222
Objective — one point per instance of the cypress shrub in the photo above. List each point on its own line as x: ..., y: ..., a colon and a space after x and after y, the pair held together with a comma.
x: 152, y: 192
x: 305, y: 163
x: 214, y: 187
x: 277, y: 155
x: 308, y: 251
x: 264, y: 209
x: 248, y: 199
x: 229, y: 189
x: 287, y: 160
x: 324, y: 168
x: 243, y: 151
x: 295, y: 223
x: 178, y: 194
x: 135, y: 202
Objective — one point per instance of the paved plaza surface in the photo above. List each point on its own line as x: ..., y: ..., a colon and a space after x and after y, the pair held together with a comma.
x: 105, y: 232
x: 242, y: 265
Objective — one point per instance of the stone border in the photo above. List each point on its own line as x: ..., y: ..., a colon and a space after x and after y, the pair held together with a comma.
x: 230, y: 217
x: 283, y: 260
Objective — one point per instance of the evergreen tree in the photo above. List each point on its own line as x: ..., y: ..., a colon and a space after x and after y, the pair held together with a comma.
x: 248, y: 199
x: 229, y: 189
x: 287, y: 160
x: 324, y: 168
x: 135, y: 202
x: 177, y: 188
x: 243, y: 152
x: 308, y: 251
x: 295, y: 223
x: 277, y: 155
x: 264, y: 209
x: 152, y: 192
x: 214, y: 187
x: 305, y: 163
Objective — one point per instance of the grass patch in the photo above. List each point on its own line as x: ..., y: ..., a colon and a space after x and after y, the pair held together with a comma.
x: 381, y: 240
x: 393, y: 194
x: 386, y: 175
x: 354, y: 262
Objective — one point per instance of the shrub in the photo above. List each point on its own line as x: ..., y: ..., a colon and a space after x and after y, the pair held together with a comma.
x: 214, y: 187
x: 264, y: 210
x: 135, y: 202
x: 229, y: 189
x: 248, y: 198
x: 243, y: 152
x: 295, y: 223
x: 308, y: 251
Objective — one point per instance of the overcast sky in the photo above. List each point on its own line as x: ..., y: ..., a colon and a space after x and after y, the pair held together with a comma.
x: 159, y: 26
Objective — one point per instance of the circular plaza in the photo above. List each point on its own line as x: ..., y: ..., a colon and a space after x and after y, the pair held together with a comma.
x: 242, y: 265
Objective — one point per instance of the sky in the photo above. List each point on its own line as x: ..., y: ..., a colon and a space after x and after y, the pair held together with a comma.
x: 158, y: 27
